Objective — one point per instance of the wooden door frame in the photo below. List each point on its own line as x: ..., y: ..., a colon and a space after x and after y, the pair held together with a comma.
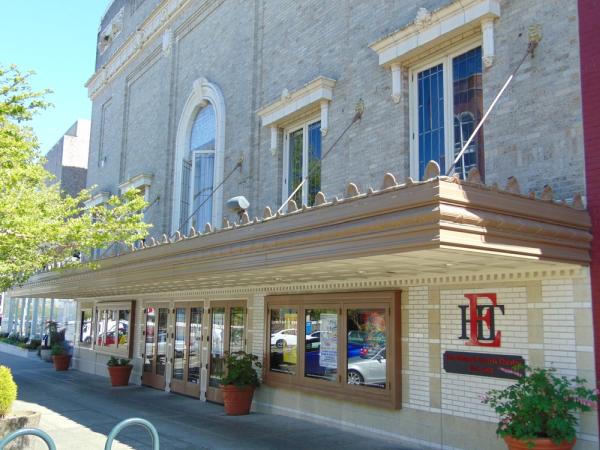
x: 183, y: 386
x: 214, y: 394
x: 151, y: 379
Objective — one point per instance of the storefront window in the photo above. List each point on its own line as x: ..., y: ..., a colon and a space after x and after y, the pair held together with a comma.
x: 367, y: 336
x: 321, y: 344
x: 85, y: 330
x: 113, y: 328
x: 338, y: 344
x: 284, y: 340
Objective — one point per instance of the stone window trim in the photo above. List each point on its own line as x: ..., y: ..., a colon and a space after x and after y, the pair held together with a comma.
x: 120, y: 351
x: 310, y: 98
x: 203, y: 92
x: 141, y: 182
x: 430, y: 31
x: 98, y: 199
x: 389, y: 397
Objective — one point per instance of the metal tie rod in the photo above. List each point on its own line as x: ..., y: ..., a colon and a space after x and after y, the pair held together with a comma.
x: 534, y: 38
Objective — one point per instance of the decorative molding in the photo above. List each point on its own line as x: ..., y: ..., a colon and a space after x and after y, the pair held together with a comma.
x: 167, y: 42
x: 430, y: 29
x: 111, y: 31
x: 203, y: 92
x: 316, y: 94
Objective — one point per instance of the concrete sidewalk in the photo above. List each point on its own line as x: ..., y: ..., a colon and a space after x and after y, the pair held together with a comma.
x: 79, y: 410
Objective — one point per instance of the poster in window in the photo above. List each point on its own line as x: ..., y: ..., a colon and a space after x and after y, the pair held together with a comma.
x: 328, y: 349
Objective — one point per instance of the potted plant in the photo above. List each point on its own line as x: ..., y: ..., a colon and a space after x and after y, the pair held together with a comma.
x: 539, y: 410
x: 239, y: 382
x: 119, y: 371
x: 11, y: 421
x: 60, y: 357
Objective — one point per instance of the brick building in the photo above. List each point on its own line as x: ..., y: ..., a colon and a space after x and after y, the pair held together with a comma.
x: 360, y: 294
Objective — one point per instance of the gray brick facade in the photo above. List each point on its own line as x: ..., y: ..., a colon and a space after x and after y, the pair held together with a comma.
x: 253, y: 50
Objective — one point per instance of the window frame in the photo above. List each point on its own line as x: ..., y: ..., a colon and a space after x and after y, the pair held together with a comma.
x: 303, y: 125
x: 388, y: 397
x: 127, y: 351
x: 444, y: 57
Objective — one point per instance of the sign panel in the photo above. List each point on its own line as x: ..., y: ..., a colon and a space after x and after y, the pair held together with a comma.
x: 484, y: 364
x: 328, y: 349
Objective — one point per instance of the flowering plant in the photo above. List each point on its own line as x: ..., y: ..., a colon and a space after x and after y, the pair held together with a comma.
x: 541, y: 405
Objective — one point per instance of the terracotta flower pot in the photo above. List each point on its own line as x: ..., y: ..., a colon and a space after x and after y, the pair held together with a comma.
x: 61, y: 362
x: 237, y: 400
x: 538, y: 444
x: 119, y: 375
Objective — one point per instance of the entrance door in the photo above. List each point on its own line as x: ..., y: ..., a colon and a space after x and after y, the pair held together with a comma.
x: 227, y: 334
x: 187, y: 349
x: 155, y: 348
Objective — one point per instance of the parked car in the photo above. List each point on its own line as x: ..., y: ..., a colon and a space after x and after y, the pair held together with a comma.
x: 285, y: 338
x: 369, y: 369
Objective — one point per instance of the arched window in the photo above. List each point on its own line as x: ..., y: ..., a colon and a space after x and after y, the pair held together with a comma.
x: 199, y: 159
x: 198, y: 171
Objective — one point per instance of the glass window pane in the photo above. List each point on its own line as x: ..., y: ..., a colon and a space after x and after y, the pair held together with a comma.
x: 150, y: 337
x: 179, y: 359
x: 236, y: 330
x: 204, y: 130
x: 184, y: 206
x: 283, y: 326
x: 85, y: 333
x: 217, y: 347
x: 123, y: 328
x: 161, y: 347
x: 314, y: 161
x: 295, y: 164
x: 467, y: 87
x: 203, y: 187
x: 100, y: 327
x: 195, y: 348
x: 110, y: 336
x: 321, y: 345
x: 367, y: 336
x: 430, y: 84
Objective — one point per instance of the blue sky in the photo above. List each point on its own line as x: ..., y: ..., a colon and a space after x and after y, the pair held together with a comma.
x: 57, y: 39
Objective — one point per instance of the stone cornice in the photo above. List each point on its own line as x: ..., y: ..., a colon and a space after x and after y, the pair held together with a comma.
x: 160, y: 18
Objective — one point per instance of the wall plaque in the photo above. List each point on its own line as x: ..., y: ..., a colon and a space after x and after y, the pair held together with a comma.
x: 484, y: 364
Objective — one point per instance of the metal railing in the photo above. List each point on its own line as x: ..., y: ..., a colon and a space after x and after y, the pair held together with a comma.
x: 109, y: 441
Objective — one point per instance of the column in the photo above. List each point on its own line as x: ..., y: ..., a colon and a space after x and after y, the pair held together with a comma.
x: 43, y: 319
x: 51, y: 310
x: 34, y: 319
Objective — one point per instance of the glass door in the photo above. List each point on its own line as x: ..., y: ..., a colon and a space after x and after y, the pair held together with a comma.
x: 187, y: 349
x: 155, y: 346
x: 227, y: 335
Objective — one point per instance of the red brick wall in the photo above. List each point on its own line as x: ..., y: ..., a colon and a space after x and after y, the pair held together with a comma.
x: 589, y: 41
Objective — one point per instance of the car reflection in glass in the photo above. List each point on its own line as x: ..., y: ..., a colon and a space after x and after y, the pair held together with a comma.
x: 369, y: 370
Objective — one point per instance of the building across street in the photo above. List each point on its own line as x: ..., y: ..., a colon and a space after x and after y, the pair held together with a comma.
x: 321, y: 198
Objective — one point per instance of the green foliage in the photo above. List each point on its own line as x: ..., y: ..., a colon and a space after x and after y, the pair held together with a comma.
x: 33, y: 344
x: 116, y: 362
x: 541, y: 405
x: 241, y: 369
x: 8, y: 390
x: 39, y: 224
x: 57, y: 350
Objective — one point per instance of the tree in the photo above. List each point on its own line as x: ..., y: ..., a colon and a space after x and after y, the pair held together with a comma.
x: 39, y: 225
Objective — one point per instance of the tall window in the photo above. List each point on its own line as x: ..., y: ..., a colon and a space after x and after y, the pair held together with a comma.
x: 448, y: 106
x: 198, y: 172
x: 302, y: 159
x: 113, y: 328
